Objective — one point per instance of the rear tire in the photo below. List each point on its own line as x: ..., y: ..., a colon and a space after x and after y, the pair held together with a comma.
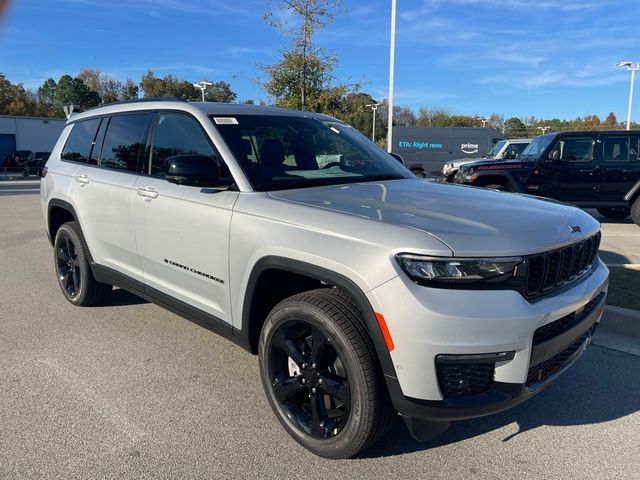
x: 320, y: 375
x: 615, y: 213
x: 71, y: 262
x: 635, y: 211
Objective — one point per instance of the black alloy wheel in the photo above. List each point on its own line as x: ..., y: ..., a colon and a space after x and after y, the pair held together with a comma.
x: 309, y: 379
x: 67, y: 265
x: 320, y: 375
x: 71, y: 262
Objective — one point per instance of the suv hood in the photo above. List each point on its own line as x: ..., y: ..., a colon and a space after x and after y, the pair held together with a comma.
x: 471, y: 221
x: 499, y: 165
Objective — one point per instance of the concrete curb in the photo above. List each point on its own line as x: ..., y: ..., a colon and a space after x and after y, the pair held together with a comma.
x: 621, y: 320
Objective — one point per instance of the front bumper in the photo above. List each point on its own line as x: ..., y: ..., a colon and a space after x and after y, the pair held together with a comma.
x: 472, y: 322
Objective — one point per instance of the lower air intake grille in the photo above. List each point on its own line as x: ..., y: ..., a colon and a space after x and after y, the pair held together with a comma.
x: 542, y: 371
x: 465, y: 379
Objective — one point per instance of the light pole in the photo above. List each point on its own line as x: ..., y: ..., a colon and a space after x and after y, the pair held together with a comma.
x: 483, y: 120
x: 202, y: 86
x: 544, y: 129
x: 633, y: 67
x: 374, y: 107
x: 392, y: 49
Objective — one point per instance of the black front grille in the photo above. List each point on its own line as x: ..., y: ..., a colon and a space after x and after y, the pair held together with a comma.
x: 554, y: 269
x: 457, y: 380
x: 542, y: 371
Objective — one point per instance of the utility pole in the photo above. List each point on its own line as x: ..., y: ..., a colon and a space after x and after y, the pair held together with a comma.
x: 392, y: 48
x: 633, y: 67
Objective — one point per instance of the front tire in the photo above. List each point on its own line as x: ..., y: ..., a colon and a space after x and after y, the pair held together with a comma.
x: 614, y: 213
x: 320, y: 376
x: 71, y: 261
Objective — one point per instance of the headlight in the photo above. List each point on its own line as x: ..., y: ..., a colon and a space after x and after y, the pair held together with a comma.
x: 454, y: 272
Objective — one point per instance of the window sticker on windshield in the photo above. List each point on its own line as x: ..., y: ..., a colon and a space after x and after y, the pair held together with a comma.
x: 225, y: 120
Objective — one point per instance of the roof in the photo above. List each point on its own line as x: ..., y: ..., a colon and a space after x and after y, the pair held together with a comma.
x: 208, y: 108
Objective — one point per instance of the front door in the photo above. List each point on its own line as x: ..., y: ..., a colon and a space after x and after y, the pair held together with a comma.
x: 571, y: 170
x: 182, y: 232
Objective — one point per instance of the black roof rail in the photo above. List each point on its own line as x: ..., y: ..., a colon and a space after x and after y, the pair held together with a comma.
x: 139, y: 100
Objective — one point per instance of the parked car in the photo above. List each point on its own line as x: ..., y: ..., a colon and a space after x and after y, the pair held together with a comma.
x: 509, y: 149
x: 588, y: 169
x: 35, y: 165
x: 14, y: 161
x: 364, y: 291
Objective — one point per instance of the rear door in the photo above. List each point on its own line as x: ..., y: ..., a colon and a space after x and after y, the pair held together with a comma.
x: 619, y: 165
x: 103, y: 187
x: 182, y: 232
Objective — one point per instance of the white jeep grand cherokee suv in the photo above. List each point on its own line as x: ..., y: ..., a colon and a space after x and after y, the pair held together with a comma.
x: 363, y: 290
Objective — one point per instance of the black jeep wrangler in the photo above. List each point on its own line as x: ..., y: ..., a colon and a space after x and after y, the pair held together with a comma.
x: 589, y: 169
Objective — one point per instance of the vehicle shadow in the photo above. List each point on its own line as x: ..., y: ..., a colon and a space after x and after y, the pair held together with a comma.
x: 612, y: 258
x: 121, y: 298
x: 602, y: 219
x: 601, y: 387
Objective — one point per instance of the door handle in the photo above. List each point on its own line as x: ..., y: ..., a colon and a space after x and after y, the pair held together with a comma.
x: 148, y: 193
x: 83, y: 179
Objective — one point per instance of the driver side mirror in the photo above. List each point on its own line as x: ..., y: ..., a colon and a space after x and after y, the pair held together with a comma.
x: 397, y: 157
x: 553, y: 156
x: 192, y: 170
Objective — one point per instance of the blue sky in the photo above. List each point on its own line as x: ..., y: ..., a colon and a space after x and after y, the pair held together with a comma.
x: 548, y: 58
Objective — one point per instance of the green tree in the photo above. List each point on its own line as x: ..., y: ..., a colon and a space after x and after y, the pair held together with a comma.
x: 14, y: 99
x: 514, y: 127
x: 219, y: 92
x: 73, y: 91
x: 355, y: 112
x: 303, y: 78
x: 130, y: 90
x: 168, y: 86
x: 611, y: 121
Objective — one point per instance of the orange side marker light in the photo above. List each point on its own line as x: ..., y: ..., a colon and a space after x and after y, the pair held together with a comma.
x: 385, y: 331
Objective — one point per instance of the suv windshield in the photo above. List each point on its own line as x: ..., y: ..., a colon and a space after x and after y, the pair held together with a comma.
x: 496, y: 148
x: 537, y: 146
x: 282, y: 152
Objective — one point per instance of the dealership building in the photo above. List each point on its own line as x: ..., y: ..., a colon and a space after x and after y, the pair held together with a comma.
x: 28, y: 133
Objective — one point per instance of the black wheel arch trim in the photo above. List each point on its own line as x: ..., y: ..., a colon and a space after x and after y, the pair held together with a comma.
x: 56, y: 202
x: 331, y: 278
x: 515, y: 185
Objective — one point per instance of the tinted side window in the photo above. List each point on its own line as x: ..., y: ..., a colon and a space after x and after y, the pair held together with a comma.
x: 576, y: 150
x: 80, y: 139
x: 177, y: 134
x: 124, y: 141
x: 620, y: 149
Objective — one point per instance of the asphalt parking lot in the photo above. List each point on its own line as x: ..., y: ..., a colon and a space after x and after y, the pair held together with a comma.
x: 129, y: 390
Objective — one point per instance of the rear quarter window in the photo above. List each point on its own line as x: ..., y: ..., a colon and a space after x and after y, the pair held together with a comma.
x: 78, y: 145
